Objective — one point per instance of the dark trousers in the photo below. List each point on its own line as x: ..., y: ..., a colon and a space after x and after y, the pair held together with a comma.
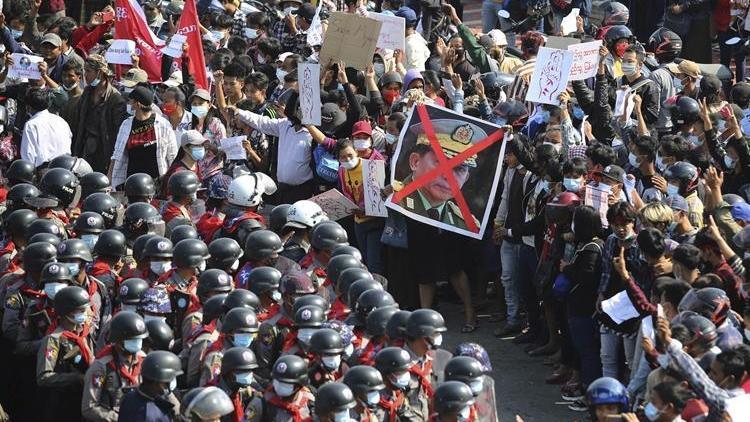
x: 527, y: 269
x: 584, y: 333
x: 289, y: 194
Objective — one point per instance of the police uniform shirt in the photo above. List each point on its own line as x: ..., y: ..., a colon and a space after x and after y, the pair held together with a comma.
x: 251, y: 399
x: 60, y: 361
x: 104, y: 388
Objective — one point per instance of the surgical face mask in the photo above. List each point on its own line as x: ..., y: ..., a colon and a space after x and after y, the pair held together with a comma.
x: 95, y: 82
x: 672, y: 190
x: 243, y: 339
x: 400, y: 381
x: 129, y: 109
x: 147, y: 318
x: 557, y: 147
x: 677, y: 84
x: 350, y: 164
x: 651, y: 412
x: 464, y: 414
x: 244, y: 378
x: 202, y: 266
x: 543, y: 185
x: 217, y: 35
x: 331, y: 362
x: 197, y: 153
x: 729, y: 162
x: 280, y: 73
x: 276, y: 296
x: 90, y: 240
x: 629, y: 69
x: 373, y: 398
x: 379, y: 69
x: 51, y: 289
x: 362, y: 144
x: 283, y: 389
x: 69, y: 87
x: 578, y: 113
x: 16, y: 34
x: 501, y: 121
x: 78, y: 318
x: 160, y: 267
x: 572, y: 185
x: 74, y: 268
x: 694, y: 140
x: 660, y: 163
x: 304, y: 335
x: 173, y: 385
x: 132, y: 345
x: 342, y: 416
x: 437, y: 340
x: 633, y: 159
x: 390, y: 138
x: 605, y: 187
x: 199, y: 111
x: 251, y: 33
x: 288, y: 11
x: 476, y: 385
x: 235, y: 265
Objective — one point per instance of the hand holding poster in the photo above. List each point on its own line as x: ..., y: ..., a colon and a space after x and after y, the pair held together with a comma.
x: 174, y: 49
x: 442, y: 169
x: 351, y: 38
x: 550, y: 76
x: 309, y: 93
x: 335, y: 204
x: 24, y: 66
x: 585, y: 60
x: 120, y: 52
x: 233, y: 148
x: 373, y: 181
x: 391, y: 33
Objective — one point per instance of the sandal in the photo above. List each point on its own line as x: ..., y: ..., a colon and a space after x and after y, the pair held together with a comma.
x: 469, y: 328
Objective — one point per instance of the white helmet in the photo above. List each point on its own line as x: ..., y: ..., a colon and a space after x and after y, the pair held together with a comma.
x: 247, y: 190
x: 304, y: 214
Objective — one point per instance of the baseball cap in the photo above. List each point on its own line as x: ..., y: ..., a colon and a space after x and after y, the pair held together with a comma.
x: 686, y: 67
x: 133, y: 77
x: 306, y: 11
x: 613, y: 172
x: 677, y: 203
x: 408, y: 14
x: 202, y: 94
x: 362, y: 127
x: 175, y: 79
x: 331, y: 117
x: 192, y: 137
x: 741, y: 211
x: 53, y: 39
x: 98, y: 62
x: 499, y: 37
x: 486, y: 41
x: 142, y: 95
x: 283, y: 56
x: 297, y: 282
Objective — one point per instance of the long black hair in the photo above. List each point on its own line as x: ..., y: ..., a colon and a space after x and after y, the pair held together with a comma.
x: 587, y: 223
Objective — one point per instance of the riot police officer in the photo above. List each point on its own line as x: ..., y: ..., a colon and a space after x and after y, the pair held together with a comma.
x: 195, y: 345
x: 183, y: 188
x: 14, y: 226
x: 130, y: 294
x: 60, y: 190
x: 140, y: 187
x: 238, y: 329
x: 141, y: 218
x: 157, y: 253
x: 453, y: 401
x: 335, y: 268
x: 375, y: 338
x: 333, y: 402
x: 326, y: 349
x: 109, y: 250
x: 469, y: 371
x: 262, y: 249
x: 20, y: 171
x: 324, y: 237
x: 207, y: 404
x: 264, y: 282
x: 76, y: 255
x: 301, y: 217
x: 104, y: 205
x: 88, y: 226
x: 288, y: 398
x: 225, y: 255
x: 394, y: 363
x: 366, y: 383
x: 154, y: 398
x: 237, y: 381
x: 183, y: 232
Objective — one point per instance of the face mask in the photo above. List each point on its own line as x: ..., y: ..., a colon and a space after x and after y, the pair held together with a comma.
x: 133, y: 345
x: 342, y: 416
x: 160, y: 267
x: 390, y: 96
x: 69, y: 87
x: 476, y: 385
x: 16, y: 34
x: 373, y: 398
x: 280, y: 73
x: 660, y: 163
x: 173, y: 385
x: 95, y: 82
x: 169, y: 108
x: 350, y: 164
x: 90, y: 240
x: 276, y: 296
x: 217, y: 35
x: 242, y: 340
x: 199, y: 111
x: 147, y: 318
x: 51, y: 289
x: 362, y: 144
x: 651, y: 412
x: 288, y: 11
x: 629, y: 69
x: 677, y: 84
x: 578, y: 113
x: 235, y: 265
x: 283, y: 389
x: 79, y: 318
x: 543, y: 185
x: 695, y: 141
x: 605, y: 187
x: 572, y: 185
x: 672, y: 190
x: 74, y: 268
x: 251, y: 33
x: 464, y: 414
x: 437, y: 340
x: 501, y: 121
x: 129, y: 109
x: 379, y: 69
x: 390, y: 138
x: 633, y: 159
x: 304, y: 335
x: 729, y: 162
x: 557, y: 147
x: 197, y: 153
x: 244, y: 378
x: 401, y: 381
x: 620, y: 48
x: 331, y: 362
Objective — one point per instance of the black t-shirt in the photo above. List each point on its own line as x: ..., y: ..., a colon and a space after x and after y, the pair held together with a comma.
x: 142, y: 148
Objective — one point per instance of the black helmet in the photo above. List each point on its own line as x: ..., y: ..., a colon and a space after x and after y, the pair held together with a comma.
x: 346, y: 250
x: 513, y: 111
x: 74, y: 249
x: 377, y: 320
x: 111, y: 243
x: 139, y: 246
x: 363, y: 379
x: 326, y: 235
x: 54, y: 272
x: 392, y: 359
x: 20, y: 171
x: 62, y: 185
x: 424, y: 323
x: 238, y: 359
x: 241, y: 298
x: 709, y: 302
x: 338, y: 264
x: 243, y: 230
x: 665, y: 44
x: 615, y: 14
x: 213, y: 281
x: 132, y: 290
x: 160, y: 335
x: 326, y: 341
x: 213, y: 307
x: 349, y: 276
x: 309, y: 317
x: 16, y: 195
x: 372, y: 299
x: 17, y: 222
x: 77, y: 166
x: 615, y: 33
x: 142, y: 218
x: 94, y: 182
x: 224, y: 252
x: 189, y: 253
x: 161, y: 366
x: 395, y: 329
x: 277, y: 219
x: 333, y: 397
x: 183, y: 232
x: 310, y: 300
x: 140, y: 186
x: 451, y: 397
x: 36, y: 255
x: 206, y: 404
x: 89, y: 222
x: 291, y: 369
x: 359, y: 287
x: 126, y: 325
x: 45, y: 237
x: 69, y: 299
x: 183, y: 183
x: 44, y: 225
x: 685, y: 110
x: 158, y: 247
x: 702, y: 331
x: 239, y: 320
x: 685, y: 173
x: 263, y: 279
x: 463, y: 368
x: 262, y: 244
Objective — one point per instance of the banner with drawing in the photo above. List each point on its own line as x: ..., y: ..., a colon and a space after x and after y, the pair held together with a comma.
x: 373, y: 181
x: 550, y: 76
x: 309, y: 93
x: 335, y: 204
x: 585, y: 60
x: 446, y: 169
x: 24, y: 66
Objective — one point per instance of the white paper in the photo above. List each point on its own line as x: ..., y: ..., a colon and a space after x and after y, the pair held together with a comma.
x: 373, y: 181
x: 550, y: 76
x: 233, y: 148
x: 120, y: 52
x: 335, y: 204
x: 647, y: 328
x: 738, y: 407
x: 315, y: 32
x: 619, y: 308
x: 174, y: 49
x: 585, y: 60
x: 568, y: 23
x: 24, y: 66
x: 391, y: 33
x: 309, y: 93
x: 622, y: 95
x: 599, y: 200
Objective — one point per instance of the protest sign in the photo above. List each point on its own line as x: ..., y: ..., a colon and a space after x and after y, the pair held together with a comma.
x: 373, y: 181
x: 309, y: 93
x: 446, y: 169
x: 560, y: 42
x: 350, y: 38
x: 391, y: 33
x: 24, y: 66
x: 315, y: 32
x: 233, y: 148
x: 568, y: 23
x: 619, y: 308
x: 174, y: 49
x: 120, y: 52
x: 335, y: 204
x: 585, y: 60
x: 599, y: 200
x: 550, y: 76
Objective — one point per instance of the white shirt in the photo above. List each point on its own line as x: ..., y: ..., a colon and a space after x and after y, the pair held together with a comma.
x: 417, y: 52
x: 45, y: 136
x: 295, y: 147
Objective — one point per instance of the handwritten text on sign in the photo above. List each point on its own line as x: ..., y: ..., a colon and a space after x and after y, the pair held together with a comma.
x: 585, y: 60
x: 391, y: 33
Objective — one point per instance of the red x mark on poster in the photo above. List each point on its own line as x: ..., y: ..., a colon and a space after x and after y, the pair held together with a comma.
x: 445, y: 167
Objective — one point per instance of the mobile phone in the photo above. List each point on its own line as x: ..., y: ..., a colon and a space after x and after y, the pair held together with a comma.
x: 108, y: 16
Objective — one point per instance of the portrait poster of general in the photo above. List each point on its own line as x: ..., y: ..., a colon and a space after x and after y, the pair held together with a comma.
x: 445, y: 170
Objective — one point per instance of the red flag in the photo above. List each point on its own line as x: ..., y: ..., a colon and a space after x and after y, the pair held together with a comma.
x: 130, y: 24
x: 189, y: 26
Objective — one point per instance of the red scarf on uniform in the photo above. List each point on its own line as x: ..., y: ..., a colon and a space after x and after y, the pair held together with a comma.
x: 132, y: 375
x: 291, y: 407
x: 101, y: 267
x: 269, y: 312
x: 208, y: 225
x: 80, y: 341
x: 424, y: 376
x: 306, y: 261
x: 289, y: 341
x: 173, y: 210
x: 392, y: 406
x: 216, y: 346
x: 339, y: 311
x: 239, y: 412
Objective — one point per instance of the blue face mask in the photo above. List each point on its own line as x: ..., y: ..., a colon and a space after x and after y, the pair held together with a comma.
x: 74, y: 268
x: 283, y: 389
x: 95, y: 82
x: 244, y: 378
x: 197, y: 153
x: 390, y: 138
x: 79, y: 318
x: 16, y: 34
x: 672, y: 190
x: 651, y: 412
x: 132, y: 345
x: 572, y: 185
x: 242, y: 340
x: 501, y: 121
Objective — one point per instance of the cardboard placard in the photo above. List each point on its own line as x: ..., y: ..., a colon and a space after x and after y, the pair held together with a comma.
x: 335, y: 204
x: 560, y: 42
x: 373, y: 181
x: 233, y: 148
x: 351, y: 38
x: 174, y: 49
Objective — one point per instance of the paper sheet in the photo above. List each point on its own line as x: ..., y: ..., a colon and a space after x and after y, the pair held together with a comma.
x: 622, y: 95
x: 647, y: 328
x: 739, y: 407
x: 568, y: 23
x: 24, y: 66
x: 309, y: 93
x: 373, y: 181
x: 233, y: 148
x: 585, y: 60
x: 550, y: 76
x: 315, y: 32
x: 335, y: 204
x: 120, y: 52
x: 391, y: 35
x: 619, y: 308
x: 174, y: 49
x: 599, y: 200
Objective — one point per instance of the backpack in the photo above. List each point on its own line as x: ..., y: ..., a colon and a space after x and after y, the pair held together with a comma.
x: 326, y: 165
